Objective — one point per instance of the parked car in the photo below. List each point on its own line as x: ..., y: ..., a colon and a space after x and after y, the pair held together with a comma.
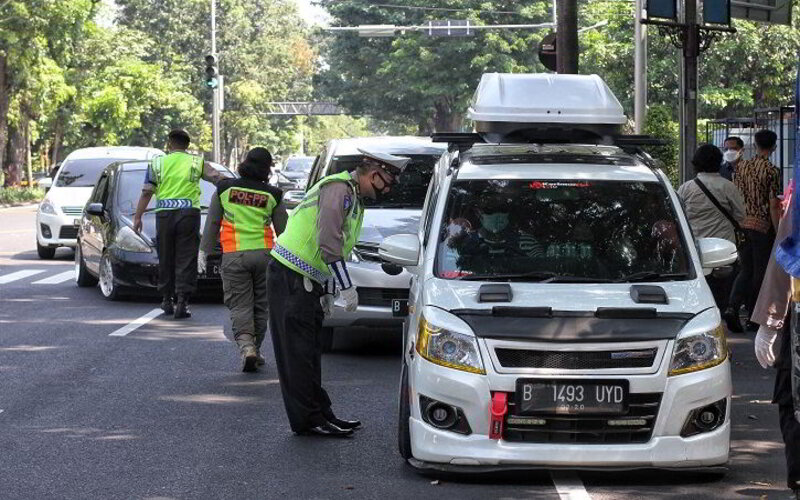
x: 294, y: 174
x: 61, y: 209
x: 382, y: 287
x: 109, y: 250
x: 559, y: 315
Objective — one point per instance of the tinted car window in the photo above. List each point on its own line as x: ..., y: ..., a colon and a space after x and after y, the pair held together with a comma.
x: 595, y: 230
x: 412, y: 187
x: 130, y: 188
x: 83, y: 173
x: 299, y: 164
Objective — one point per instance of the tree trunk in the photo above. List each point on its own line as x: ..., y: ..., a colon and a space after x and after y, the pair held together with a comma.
x: 5, y: 98
x: 445, y: 119
x: 57, y: 136
x: 17, y: 156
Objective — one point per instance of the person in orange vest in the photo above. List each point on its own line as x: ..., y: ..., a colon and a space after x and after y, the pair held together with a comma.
x: 242, y: 215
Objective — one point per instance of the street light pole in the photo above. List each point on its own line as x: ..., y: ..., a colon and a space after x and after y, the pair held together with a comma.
x: 567, y: 38
x: 640, y: 70
x: 216, y: 150
x: 688, y: 90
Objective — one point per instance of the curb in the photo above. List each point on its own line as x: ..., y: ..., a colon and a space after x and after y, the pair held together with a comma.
x: 21, y: 204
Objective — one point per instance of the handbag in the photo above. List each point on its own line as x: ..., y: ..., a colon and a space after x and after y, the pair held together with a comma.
x: 737, y: 229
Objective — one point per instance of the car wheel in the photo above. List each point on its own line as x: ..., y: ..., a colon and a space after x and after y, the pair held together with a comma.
x: 45, y: 252
x: 108, y: 287
x: 327, y: 337
x: 82, y: 276
x: 403, y: 430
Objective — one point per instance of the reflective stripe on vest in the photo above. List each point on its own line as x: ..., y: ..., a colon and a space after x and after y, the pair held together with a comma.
x: 177, y: 177
x: 297, y: 247
x: 247, y: 219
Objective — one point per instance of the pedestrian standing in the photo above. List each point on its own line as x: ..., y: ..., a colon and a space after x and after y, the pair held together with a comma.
x: 733, y: 149
x: 241, y: 217
x: 773, y: 349
x: 759, y: 182
x: 175, y: 181
x: 715, y: 209
x: 309, y: 265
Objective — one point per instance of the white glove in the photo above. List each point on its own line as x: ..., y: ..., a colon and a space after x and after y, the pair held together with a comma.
x: 350, y: 298
x: 764, y: 343
x: 326, y: 301
x: 201, y: 262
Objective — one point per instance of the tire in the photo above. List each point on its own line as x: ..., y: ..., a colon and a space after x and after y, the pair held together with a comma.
x: 327, y: 338
x: 108, y: 286
x: 82, y: 276
x: 45, y: 252
x: 403, y: 430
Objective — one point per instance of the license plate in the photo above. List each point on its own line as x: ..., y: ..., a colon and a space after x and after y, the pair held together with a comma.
x: 399, y: 307
x: 571, y: 397
x: 212, y: 271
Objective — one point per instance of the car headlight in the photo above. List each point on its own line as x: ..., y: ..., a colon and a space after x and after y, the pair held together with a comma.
x: 128, y: 240
x: 47, y: 207
x: 447, y: 348
x: 698, y: 352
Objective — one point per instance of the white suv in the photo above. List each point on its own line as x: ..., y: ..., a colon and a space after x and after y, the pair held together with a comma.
x: 559, y: 315
x: 60, y: 212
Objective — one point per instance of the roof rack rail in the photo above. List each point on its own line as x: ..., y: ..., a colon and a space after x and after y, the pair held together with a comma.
x: 461, y: 141
x: 465, y: 140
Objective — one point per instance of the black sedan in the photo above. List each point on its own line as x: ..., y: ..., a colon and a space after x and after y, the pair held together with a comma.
x: 111, y: 252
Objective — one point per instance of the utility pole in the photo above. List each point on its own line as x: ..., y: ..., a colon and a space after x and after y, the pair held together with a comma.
x: 567, y: 37
x: 216, y: 151
x: 688, y: 89
x: 640, y: 70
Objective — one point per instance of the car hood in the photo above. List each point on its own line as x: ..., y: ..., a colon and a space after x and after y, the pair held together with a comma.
x: 294, y: 175
x: 382, y: 222
x: 69, y: 196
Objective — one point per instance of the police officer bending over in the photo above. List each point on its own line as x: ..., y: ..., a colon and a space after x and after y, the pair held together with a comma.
x: 240, y: 217
x: 175, y: 180
x: 308, y: 266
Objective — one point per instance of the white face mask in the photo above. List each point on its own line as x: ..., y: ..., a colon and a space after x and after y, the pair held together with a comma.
x: 730, y: 155
x: 494, y: 223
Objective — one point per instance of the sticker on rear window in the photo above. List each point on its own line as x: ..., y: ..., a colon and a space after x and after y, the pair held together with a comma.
x: 556, y: 185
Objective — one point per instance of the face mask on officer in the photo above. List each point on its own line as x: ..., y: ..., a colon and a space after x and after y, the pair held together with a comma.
x: 380, y: 185
x: 494, y: 222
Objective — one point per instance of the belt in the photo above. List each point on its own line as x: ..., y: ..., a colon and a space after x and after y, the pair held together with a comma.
x: 174, y: 203
x: 301, y: 264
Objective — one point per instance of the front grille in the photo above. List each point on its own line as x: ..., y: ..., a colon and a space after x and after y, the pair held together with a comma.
x: 381, y: 297
x: 576, y: 360
x: 76, y: 211
x: 68, y: 232
x: 368, y: 252
x: 579, y: 429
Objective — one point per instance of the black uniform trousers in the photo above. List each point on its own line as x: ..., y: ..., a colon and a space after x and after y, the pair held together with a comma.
x: 295, y: 323
x: 754, y: 257
x: 790, y: 427
x: 178, y: 240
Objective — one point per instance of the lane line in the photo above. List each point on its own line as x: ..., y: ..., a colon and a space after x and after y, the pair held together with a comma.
x: 569, y: 486
x: 137, y: 323
x: 8, y: 278
x: 56, y: 279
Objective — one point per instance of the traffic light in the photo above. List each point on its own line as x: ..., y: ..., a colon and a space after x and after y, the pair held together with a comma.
x: 211, y: 72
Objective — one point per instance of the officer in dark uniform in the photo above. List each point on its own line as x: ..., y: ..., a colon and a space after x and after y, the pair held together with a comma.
x: 241, y: 217
x: 175, y: 181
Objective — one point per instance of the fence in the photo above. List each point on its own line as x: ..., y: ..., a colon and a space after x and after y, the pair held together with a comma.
x: 779, y: 120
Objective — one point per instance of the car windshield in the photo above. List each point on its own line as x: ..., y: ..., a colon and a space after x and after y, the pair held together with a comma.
x: 410, y: 190
x: 299, y: 164
x: 580, y: 231
x: 83, y: 173
x: 130, y: 187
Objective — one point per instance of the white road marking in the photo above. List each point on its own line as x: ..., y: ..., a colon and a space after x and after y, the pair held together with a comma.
x: 58, y: 278
x: 8, y: 278
x: 138, y: 322
x: 569, y: 486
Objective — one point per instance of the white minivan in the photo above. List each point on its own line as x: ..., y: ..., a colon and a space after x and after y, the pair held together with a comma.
x: 559, y: 315
x: 62, y: 207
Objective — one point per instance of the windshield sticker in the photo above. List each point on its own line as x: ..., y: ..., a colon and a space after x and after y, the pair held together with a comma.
x: 556, y: 185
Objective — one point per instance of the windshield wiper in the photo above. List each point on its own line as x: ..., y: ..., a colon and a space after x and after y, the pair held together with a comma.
x: 650, y: 276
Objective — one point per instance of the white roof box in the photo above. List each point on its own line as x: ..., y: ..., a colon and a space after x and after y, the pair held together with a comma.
x: 545, y: 98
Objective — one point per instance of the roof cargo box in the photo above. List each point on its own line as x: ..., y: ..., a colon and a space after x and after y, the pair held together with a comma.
x: 545, y: 107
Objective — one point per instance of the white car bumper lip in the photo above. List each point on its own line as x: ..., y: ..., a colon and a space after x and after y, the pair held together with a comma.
x: 55, y: 223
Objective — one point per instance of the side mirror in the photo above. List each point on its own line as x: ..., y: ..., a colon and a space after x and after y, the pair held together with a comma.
x: 46, y: 183
x: 716, y: 253
x: 401, y: 249
x: 95, y: 209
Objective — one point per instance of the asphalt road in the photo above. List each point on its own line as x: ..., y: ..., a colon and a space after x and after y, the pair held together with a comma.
x: 163, y: 412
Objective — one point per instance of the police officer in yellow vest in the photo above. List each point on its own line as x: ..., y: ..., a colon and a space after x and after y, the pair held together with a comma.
x: 175, y: 180
x: 241, y: 217
x: 308, y: 267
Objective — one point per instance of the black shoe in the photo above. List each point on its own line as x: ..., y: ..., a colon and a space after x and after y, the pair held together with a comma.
x: 327, y: 430
x: 182, y: 309
x: 345, y: 424
x: 260, y: 360
x: 167, y: 306
x: 731, y: 317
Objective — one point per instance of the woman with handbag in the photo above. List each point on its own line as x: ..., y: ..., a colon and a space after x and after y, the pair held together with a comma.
x: 715, y: 208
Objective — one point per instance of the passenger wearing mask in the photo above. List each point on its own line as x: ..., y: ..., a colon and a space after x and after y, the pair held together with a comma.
x: 733, y: 148
x: 715, y: 209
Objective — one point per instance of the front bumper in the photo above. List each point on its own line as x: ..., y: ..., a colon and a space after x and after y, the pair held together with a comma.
x: 62, y: 230
x: 665, y: 449
x: 135, y: 270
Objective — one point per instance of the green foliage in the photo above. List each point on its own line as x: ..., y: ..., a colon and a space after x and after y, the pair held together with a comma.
x: 661, y: 126
x: 13, y: 196
x: 318, y: 130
